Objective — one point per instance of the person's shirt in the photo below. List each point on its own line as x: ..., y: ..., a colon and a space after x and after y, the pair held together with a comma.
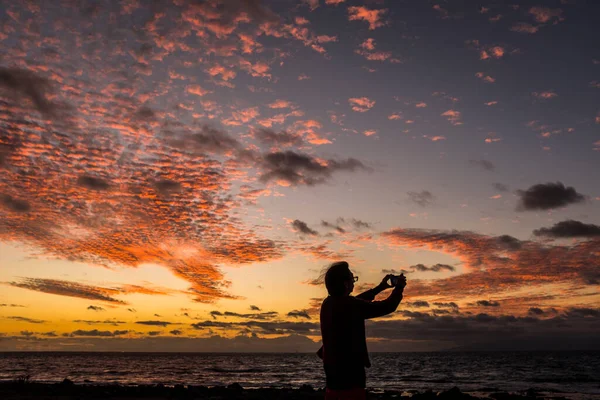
x: 343, y: 325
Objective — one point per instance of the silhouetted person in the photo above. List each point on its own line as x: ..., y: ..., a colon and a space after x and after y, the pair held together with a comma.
x: 344, y: 351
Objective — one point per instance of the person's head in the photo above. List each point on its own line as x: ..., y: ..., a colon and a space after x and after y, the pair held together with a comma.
x: 339, y: 279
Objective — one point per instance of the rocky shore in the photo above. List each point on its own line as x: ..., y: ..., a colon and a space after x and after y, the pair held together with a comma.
x: 68, y: 390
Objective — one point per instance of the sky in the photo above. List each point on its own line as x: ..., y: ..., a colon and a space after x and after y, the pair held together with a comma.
x: 176, y: 175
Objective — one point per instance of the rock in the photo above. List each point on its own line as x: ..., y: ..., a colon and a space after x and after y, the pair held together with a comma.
x: 67, y: 382
x: 235, y: 386
x: 453, y: 393
x: 306, y: 388
x: 531, y: 393
x: 500, y: 396
x: 427, y: 395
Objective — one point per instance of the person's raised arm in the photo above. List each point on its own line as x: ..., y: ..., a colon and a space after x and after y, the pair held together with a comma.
x: 376, y: 309
x: 370, y: 294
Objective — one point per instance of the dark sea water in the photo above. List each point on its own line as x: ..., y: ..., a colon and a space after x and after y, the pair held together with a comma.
x: 572, y: 374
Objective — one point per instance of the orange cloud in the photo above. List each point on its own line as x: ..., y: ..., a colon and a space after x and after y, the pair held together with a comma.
x: 197, y: 90
x: 499, y: 263
x: 370, y: 132
x: 549, y: 94
x: 453, y: 116
x: 373, y: 17
x: 361, y: 104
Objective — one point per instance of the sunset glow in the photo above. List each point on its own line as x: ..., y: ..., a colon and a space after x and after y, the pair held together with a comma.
x: 175, y: 175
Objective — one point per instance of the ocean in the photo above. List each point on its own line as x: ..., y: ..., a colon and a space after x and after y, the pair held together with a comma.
x: 570, y: 374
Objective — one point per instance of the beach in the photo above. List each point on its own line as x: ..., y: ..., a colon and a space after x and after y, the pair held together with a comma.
x: 542, y: 375
x: 68, y: 390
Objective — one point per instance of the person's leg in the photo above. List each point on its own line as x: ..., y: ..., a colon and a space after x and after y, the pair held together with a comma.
x: 345, y: 382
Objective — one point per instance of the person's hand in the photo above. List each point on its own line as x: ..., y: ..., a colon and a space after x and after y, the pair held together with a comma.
x: 385, y: 283
x: 401, y: 282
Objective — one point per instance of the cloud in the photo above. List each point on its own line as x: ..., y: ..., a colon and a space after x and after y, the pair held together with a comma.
x: 361, y: 104
x: 197, y: 90
x: 524, y: 27
x: 451, y: 304
x: 452, y: 116
x: 484, y: 331
x: 97, y: 333
x: 293, y: 168
x: 13, y: 204
x: 423, y: 198
x: 176, y: 332
x: 373, y: 17
x: 154, y: 323
x: 543, y: 15
x: 569, y: 229
x: 433, y: 268
x: 105, y: 322
x: 277, y: 139
x: 485, y: 78
x: 358, y: 224
x: 25, y: 319
x: 10, y: 305
x: 488, y: 303
x: 338, y: 228
x: 93, y: 183
x: 302, y: 227
x: 254, y: 308
x: 547, y: 95
x: 96, y: 308
x: 485, y: 164
x: 298, y: 314
x: 418, y: 304
x: 499, y: 263
x: 26, y: 84
x: 67, y: 288
x: 547, y: 196
x: 266, y: 327
x: 367, y: 50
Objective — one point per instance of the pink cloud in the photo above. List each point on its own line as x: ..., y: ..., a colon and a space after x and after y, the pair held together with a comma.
x: 492, y: 140
x: 453, y: 116
x: 258, y: 69
x: 435, y: 138
x: 368, y: 44
x: 421, y: 104
x: 326, y: 39
x: 523, y: 27
x: 395, y: 116
x: 370, y: 132
x: 301, y: 21
x: 334, y: 2
x: 485, y: 78
x: 361, y: 104
x: 373, y: 17
x: 491, y: 103
x: 549, y: 94
x: 281, y: 104
x: 197, y: 90
x: 544, y: 14
x: 226, y: 74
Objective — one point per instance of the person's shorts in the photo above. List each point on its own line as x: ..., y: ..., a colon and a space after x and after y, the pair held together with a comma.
x: 345, y: 377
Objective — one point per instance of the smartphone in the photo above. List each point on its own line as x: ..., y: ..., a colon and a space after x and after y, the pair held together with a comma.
x: 394, y: 280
